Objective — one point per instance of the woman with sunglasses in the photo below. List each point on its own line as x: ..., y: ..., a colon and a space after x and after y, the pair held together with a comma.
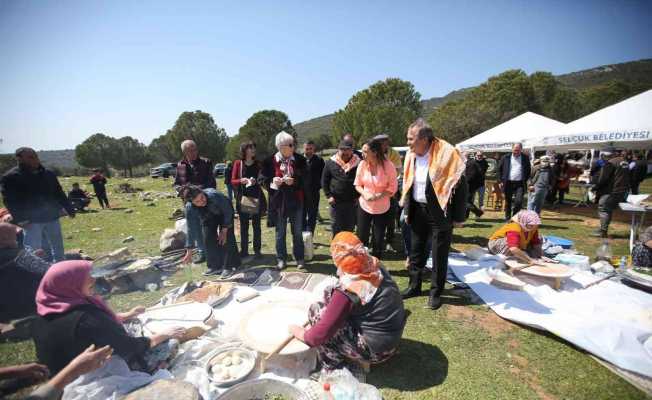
x: 283, y: 175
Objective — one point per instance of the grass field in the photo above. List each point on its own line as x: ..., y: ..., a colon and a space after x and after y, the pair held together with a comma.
x: 462, y: 351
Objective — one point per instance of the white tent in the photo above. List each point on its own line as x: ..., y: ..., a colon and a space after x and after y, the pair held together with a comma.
x: 502, y: 137
x: 625, y: 125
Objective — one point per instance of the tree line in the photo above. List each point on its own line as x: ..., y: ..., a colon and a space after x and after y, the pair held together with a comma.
x: 387, y: 106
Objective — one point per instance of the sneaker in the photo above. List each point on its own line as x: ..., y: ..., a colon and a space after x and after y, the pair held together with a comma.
x: 280, y: 265
x: 211, y: 272
x: 226, y: 273
x: 247, y: 259
x: 301, y: 265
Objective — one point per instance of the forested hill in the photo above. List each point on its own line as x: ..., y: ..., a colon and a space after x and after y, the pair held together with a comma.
x: 635, y: 72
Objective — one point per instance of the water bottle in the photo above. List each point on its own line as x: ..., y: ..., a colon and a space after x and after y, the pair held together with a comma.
x: 623, y: 263
x: 604, y: 252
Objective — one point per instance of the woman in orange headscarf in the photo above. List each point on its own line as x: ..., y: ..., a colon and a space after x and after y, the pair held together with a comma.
x: 362, y: 317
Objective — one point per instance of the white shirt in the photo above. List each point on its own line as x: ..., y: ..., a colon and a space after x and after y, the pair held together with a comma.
x: 516, y: 169
x: 421, y: 164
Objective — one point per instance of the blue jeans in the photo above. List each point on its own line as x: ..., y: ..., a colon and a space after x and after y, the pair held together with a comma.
x: 195, y: 236
x: 536, y: 199
x: 34, y: 233
x: 295, y: 218
x: 229, y: 192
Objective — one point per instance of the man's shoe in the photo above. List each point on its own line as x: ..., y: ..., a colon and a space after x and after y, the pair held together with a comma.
x: 280, y: 265
x: 598, y: 233
x: 411, y: 291
x: 434, y: 302
x: 199, y: 258
x: 247, y: 259
x: 301, y: 265
x: 211, y: 272
x: 479, y: 214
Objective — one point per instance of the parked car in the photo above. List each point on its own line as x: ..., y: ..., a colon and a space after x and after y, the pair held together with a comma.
x: 219, y: 169
x: 164, y: 170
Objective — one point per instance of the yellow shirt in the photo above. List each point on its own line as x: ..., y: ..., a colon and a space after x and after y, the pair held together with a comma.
x: 525, y: 237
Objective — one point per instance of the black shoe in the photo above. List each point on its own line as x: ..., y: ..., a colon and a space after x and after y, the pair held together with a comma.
x: 211, y: 272
x: 411, y: 291
x: 199, y: 258
x: 434, y: 302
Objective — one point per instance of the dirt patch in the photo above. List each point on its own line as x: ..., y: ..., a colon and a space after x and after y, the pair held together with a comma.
x: 487, y: 320
x: 513, y: 344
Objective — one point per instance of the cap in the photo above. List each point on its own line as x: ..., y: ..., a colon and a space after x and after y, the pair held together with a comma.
x: 382, y: 136
x: 345, y: 144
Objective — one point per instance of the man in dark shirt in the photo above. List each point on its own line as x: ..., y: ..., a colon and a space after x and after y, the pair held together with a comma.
x: 484, y: 166
x: 474, y: 179
x: 612, y: 187
x: 35, y: 199
x: 197, y: 171
x: 78, y: 198
x: 312, y: 186
x: 337, y: 180
x: 99, y: 186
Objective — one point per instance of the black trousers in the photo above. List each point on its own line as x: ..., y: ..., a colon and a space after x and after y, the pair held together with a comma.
x: 391, y: 219
x: 244, y: 233
x: 310, y: 211
x: 219, y: 256
x: 102, y: 199
x: 343, y: 215
x: 514, y: 189
x: 364, y: 223
x: 424, y: 227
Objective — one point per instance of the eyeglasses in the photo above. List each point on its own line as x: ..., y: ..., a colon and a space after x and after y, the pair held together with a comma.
x: 289, y: 145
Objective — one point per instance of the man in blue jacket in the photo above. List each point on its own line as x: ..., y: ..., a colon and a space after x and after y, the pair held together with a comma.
x: 513, y: 173
x: 34, y: 197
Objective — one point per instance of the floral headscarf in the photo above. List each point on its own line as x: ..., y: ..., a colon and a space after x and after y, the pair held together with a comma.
x: 527, y: 217
x: 358, y: 272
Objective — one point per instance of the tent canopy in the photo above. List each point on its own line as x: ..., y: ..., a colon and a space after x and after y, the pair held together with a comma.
x: 518, y: 129
x: 626, y: 125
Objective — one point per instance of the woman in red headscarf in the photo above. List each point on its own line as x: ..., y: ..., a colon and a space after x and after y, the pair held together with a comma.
x: 362, y: 317
x: 72, y: 318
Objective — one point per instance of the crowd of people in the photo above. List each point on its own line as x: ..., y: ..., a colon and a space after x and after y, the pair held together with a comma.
x: 370, y: 193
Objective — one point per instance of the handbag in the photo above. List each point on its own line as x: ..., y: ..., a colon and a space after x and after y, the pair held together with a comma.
x: 248, y: 204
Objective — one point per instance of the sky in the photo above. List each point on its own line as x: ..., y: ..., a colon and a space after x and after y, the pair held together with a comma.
x: 69, y: 69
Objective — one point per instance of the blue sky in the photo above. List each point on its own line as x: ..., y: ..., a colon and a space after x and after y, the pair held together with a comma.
x: 73, y: 68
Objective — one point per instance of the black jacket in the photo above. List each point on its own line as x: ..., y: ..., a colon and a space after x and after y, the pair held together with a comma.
x: 61, y: 337
x: 456, y: 210
x: 484, y: 166
x: 474, y: 175
x: 286, y: 197
x: 614, y: 177
x: 505, y: 164
x: 33, y: 196
x: 339, y: 184
x: 315, y: 167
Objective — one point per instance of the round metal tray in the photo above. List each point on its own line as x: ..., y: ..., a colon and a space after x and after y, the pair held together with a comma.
x: 249, y: 357
x: 258, y: 388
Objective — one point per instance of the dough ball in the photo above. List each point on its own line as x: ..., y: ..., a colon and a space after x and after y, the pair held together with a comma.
x: 227, y: 361
x: 236, y: 360
x: 216, y: 369
x: 225, y: 375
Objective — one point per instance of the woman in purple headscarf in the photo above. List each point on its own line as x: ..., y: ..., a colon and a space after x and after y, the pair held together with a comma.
x: 72, y: 318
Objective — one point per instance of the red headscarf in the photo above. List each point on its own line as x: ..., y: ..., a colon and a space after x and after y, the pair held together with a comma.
x: 62, y: 286
x: 358, y: 271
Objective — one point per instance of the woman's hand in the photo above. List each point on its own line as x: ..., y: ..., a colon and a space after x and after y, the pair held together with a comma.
x: 288, y: 180
x: 187, y: 258
x: 29, y: 371
x: 90, y: 360
x: 297, y: 331
x: 277, y: 181
x: 176, y: 332
x: 221, y: 237
x: 133, y: 313
x: 244, y: 181
x: 369, y: 196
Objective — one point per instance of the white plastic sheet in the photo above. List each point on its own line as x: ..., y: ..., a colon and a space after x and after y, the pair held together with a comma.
x: 610, y: 320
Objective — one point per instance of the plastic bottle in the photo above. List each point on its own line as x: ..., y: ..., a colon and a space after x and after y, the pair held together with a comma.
x: 327, y: 395
x: 623, y: 263
x: 603, y: 253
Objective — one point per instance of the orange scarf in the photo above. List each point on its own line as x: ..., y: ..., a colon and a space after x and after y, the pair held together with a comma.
x: 346, y: 166
x: 445, y: 169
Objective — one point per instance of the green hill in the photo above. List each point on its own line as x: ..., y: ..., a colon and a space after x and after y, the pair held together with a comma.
x: 639, y: 72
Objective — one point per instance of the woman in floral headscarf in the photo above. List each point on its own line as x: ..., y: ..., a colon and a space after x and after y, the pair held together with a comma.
x: 362, y: 317
x: 519, y: 238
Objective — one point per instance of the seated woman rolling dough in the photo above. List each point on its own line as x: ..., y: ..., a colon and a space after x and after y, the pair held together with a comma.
x: 72, y: 318
x: 362, y: 317
x: 519, y: 238
x: 642, y: 252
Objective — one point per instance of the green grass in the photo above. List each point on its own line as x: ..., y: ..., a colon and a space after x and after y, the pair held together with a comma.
x: 462, y: 351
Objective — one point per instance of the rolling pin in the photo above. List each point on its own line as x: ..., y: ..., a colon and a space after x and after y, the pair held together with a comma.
x: 278, y: 349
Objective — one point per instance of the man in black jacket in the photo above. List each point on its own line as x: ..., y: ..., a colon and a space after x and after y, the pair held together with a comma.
x: 429, y: 215
x: 337, y: 181
x: 484, y: 166
x: 35, y: 199
x: 612, y: 187
x: 474, y: 179
x: 513, y: 173
x: 312, y: 185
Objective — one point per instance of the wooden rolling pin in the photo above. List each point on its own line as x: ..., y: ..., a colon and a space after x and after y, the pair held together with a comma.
x: 278, y: 349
